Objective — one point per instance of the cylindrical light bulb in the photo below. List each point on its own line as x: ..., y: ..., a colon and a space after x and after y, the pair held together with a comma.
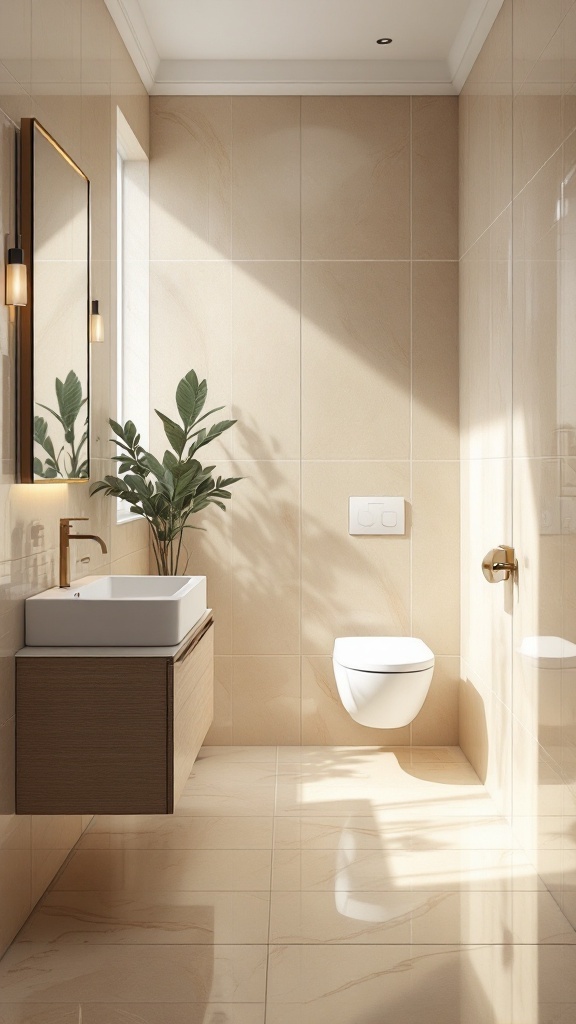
x: 16, y: 279
x: 96, y: 324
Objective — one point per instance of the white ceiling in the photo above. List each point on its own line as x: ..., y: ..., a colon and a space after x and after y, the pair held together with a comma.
x: 303, y: 46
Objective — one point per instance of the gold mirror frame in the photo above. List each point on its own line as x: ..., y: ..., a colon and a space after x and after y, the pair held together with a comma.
x: 25, y: 358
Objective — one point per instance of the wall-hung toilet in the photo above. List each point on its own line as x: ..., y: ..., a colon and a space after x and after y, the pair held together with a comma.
x: 382, y: 680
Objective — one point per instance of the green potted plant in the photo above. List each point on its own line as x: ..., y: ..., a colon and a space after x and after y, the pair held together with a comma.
x: 168, y: 493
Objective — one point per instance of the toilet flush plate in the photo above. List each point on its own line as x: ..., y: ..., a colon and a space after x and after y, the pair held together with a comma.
x: 377, y: 515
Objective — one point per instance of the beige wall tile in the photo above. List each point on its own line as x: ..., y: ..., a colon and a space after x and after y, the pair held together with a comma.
x: 324, y: 718
x: 132, y: 100
x: 128, y: 537
x: 356, y: 342
x: 355, y: 177
x: 351, y: 585
x: 16, y: 36
x: 486, y: 133
x: 210, y: 553
x: 486, y: 739
x: 56, y: 42
x: 538, y: 682
x: 15, y: 102
x: 190, y: 209
x: 135, y: 564
x: 438, y: 721
x: 220, y: 732
x: 434, y: 178
x: 55, y: 832
x: 568, y: 31
x: 190, y: 319
x: 97, y: 30
x: 45, y: 865
x: 266, y: 552
x: 536, y: 344
x: 436, y: 556
x: 486, y: 344
x: 15, y: 832
x: 435, y: 362
x: 486, y: 610
x: 266, y: 700
x: 537, y: 131
x: 96, y: 160
x: 534, y: 26
x: 266, y: 177
x: 266, y: 359
x: 15, y: 895
x: 536, y: 230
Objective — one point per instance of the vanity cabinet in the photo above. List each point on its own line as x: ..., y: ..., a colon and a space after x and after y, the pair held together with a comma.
x: 111, y: 731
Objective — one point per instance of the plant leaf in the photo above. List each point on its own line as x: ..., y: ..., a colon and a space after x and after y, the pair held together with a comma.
x: 131, y: 434
x: 52, y: 411
x: 190, y: 398
x: 151, y: 463
x: 117, y: 428
x: 176, y: 436
x: 215, y: 430
x: 69, y: 395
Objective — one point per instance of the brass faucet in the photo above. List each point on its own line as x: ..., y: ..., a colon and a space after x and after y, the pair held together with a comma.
x: 65, y: 538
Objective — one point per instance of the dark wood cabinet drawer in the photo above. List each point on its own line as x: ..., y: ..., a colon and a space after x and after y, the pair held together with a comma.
x: 111, y: 735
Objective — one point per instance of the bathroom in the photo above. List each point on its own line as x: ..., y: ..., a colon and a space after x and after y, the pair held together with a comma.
x: 364, y: 249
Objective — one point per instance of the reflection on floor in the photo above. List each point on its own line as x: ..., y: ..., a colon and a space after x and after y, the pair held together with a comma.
x: 300, y: 886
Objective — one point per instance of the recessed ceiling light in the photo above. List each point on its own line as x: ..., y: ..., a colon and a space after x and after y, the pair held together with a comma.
x: 384, y: 41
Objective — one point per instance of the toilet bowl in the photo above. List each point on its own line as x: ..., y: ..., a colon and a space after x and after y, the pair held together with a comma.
x: 383, y: 681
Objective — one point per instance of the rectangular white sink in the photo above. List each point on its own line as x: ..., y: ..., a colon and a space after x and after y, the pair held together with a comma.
x: 116, y: 611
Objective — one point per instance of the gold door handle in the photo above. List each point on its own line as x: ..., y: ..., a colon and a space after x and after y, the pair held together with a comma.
x: 500, y: 564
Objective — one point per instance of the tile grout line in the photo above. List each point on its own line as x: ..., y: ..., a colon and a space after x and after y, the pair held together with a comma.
x: 270, y: 888
x: 411, y: 440
x: 300, y: 495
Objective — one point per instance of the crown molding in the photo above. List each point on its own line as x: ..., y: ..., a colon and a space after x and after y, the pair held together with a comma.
x: 478, y: 21
x: 131, y: 24
x: 303, y: 77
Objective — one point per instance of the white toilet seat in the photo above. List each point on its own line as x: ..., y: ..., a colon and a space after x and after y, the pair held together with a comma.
x: 383, y: 653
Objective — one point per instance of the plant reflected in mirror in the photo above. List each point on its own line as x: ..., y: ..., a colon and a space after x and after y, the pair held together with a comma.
x: 69, y: 462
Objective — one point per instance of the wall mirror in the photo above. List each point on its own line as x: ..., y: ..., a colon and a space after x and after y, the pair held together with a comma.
x: 53, y: 363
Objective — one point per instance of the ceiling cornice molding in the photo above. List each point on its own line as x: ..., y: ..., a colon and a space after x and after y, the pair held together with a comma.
x: 302, y: 77
x: 131, y: 24
x: 480, y: 17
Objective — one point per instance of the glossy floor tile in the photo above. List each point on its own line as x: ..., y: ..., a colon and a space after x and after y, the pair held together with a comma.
x: 173, y: 1013
x: 131, y: 918
x: 319, y: 885
x: 154, y: 832
x: 51, y: 972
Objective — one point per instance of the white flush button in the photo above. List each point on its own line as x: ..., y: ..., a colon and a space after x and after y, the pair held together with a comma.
x: 376, y: 515
x: 365, y: 518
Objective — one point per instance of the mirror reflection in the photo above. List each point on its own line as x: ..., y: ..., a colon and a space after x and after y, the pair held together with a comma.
x: 58, y: 318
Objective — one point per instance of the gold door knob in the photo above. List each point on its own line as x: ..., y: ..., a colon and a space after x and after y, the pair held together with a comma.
x: 500, y: 564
